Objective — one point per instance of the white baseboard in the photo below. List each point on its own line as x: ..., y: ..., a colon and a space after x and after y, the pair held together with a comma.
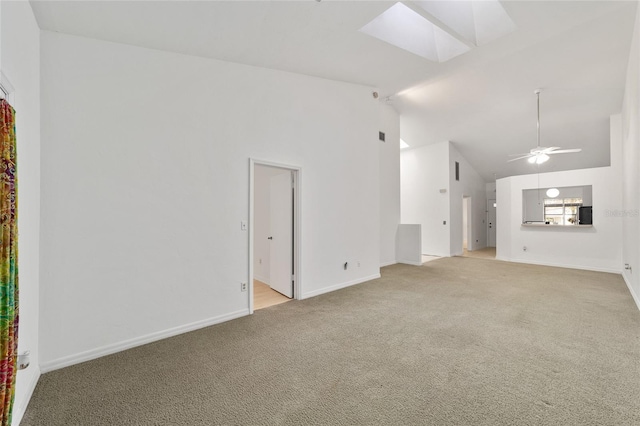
x: 261, y: 279
x: 338, y: 286
x: 388, y: 263
x: 633, y: 293
x: 20, y: 407
x: 410, y: 262
x: 66, y: 361
x: 562, y: 265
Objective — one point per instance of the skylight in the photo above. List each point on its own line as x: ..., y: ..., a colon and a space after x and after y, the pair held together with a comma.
x: 426, y: 27
x: 477, y: 21
x: 408, y: 30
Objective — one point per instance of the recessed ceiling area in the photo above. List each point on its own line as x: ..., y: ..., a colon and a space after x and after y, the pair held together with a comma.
x: 482, y: 100
x: 439, y: 31
x: 479, y: 21
x: 402, y: 27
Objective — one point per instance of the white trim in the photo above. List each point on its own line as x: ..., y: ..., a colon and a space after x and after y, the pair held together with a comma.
x: 250, y: 235
x: 469, y: 230
x: 6, y: 89
x: 560, y: 265
x: 410, y: 262
x: 393, y: 262
x: 66, y: 361
x: 261, y: 279
x: 633, y: 293
x: 297, y: 176
x: 18, y: 409
x: 559, y: 227
x: 339, y: 286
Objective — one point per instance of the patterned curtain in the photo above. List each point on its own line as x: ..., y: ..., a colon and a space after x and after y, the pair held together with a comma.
x: 8, y: 262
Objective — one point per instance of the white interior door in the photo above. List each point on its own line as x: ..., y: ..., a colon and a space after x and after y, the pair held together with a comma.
x: 491, y: 208
x: 281, y: 236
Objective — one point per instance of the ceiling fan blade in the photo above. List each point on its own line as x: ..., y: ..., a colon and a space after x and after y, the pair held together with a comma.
x: 548, y: 150
x: 540, y: 154
x: 519, y: 158
x: 515, y: 155
x: 565, y: 151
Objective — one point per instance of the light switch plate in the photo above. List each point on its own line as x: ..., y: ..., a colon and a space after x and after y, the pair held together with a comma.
x: 243, y: 225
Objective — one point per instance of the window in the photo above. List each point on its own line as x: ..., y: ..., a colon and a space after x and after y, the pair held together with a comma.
x: 562, y: 211
x: 557, y: 206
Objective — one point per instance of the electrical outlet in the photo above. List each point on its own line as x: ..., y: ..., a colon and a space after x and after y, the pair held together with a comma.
x: 260, y: 261
x: 243, y: 286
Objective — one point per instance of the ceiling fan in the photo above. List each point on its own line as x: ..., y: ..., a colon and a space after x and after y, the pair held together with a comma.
x: 540, y: 154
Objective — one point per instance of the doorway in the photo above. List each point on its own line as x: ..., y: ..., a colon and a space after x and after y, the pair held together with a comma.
x: 491, y: 223
x: 273, y: 234
x: 467, y: 234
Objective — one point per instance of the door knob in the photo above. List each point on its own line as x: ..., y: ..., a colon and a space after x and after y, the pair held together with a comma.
x: 269, y: 238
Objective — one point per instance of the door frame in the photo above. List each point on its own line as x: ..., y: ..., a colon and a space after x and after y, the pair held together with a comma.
x: 467, y: 208
x: 296, y: 172
x: 493, y: 225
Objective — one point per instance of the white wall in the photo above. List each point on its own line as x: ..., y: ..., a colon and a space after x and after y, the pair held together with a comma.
x: 471, y: 185
x: 490, y: 188
x: 145, y: 182
x: 630, y: 214
x: 595, y: 248
x: 262, y: 221
x: 409, y: 244
x: 389, y: 183
x: 20, y: 62
x: 423, y: 172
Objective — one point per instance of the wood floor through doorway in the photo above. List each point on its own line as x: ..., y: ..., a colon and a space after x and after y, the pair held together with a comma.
x: 264, y: 296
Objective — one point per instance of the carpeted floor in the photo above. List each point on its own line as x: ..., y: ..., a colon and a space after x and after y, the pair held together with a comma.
x: 483, y: 253
x: 457, y: 341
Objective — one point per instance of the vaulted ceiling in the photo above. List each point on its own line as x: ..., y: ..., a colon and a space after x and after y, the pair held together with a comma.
x: 481, y: 100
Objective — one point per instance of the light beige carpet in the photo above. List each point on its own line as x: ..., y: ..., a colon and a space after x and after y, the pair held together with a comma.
x: 457, y: 341
x: 483, y: 253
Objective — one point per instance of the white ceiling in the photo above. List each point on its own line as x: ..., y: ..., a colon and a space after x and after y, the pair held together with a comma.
x: 482, y: 100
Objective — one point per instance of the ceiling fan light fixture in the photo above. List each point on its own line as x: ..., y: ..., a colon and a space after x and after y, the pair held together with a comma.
x: 538, y: 158
x: 541, y: 158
